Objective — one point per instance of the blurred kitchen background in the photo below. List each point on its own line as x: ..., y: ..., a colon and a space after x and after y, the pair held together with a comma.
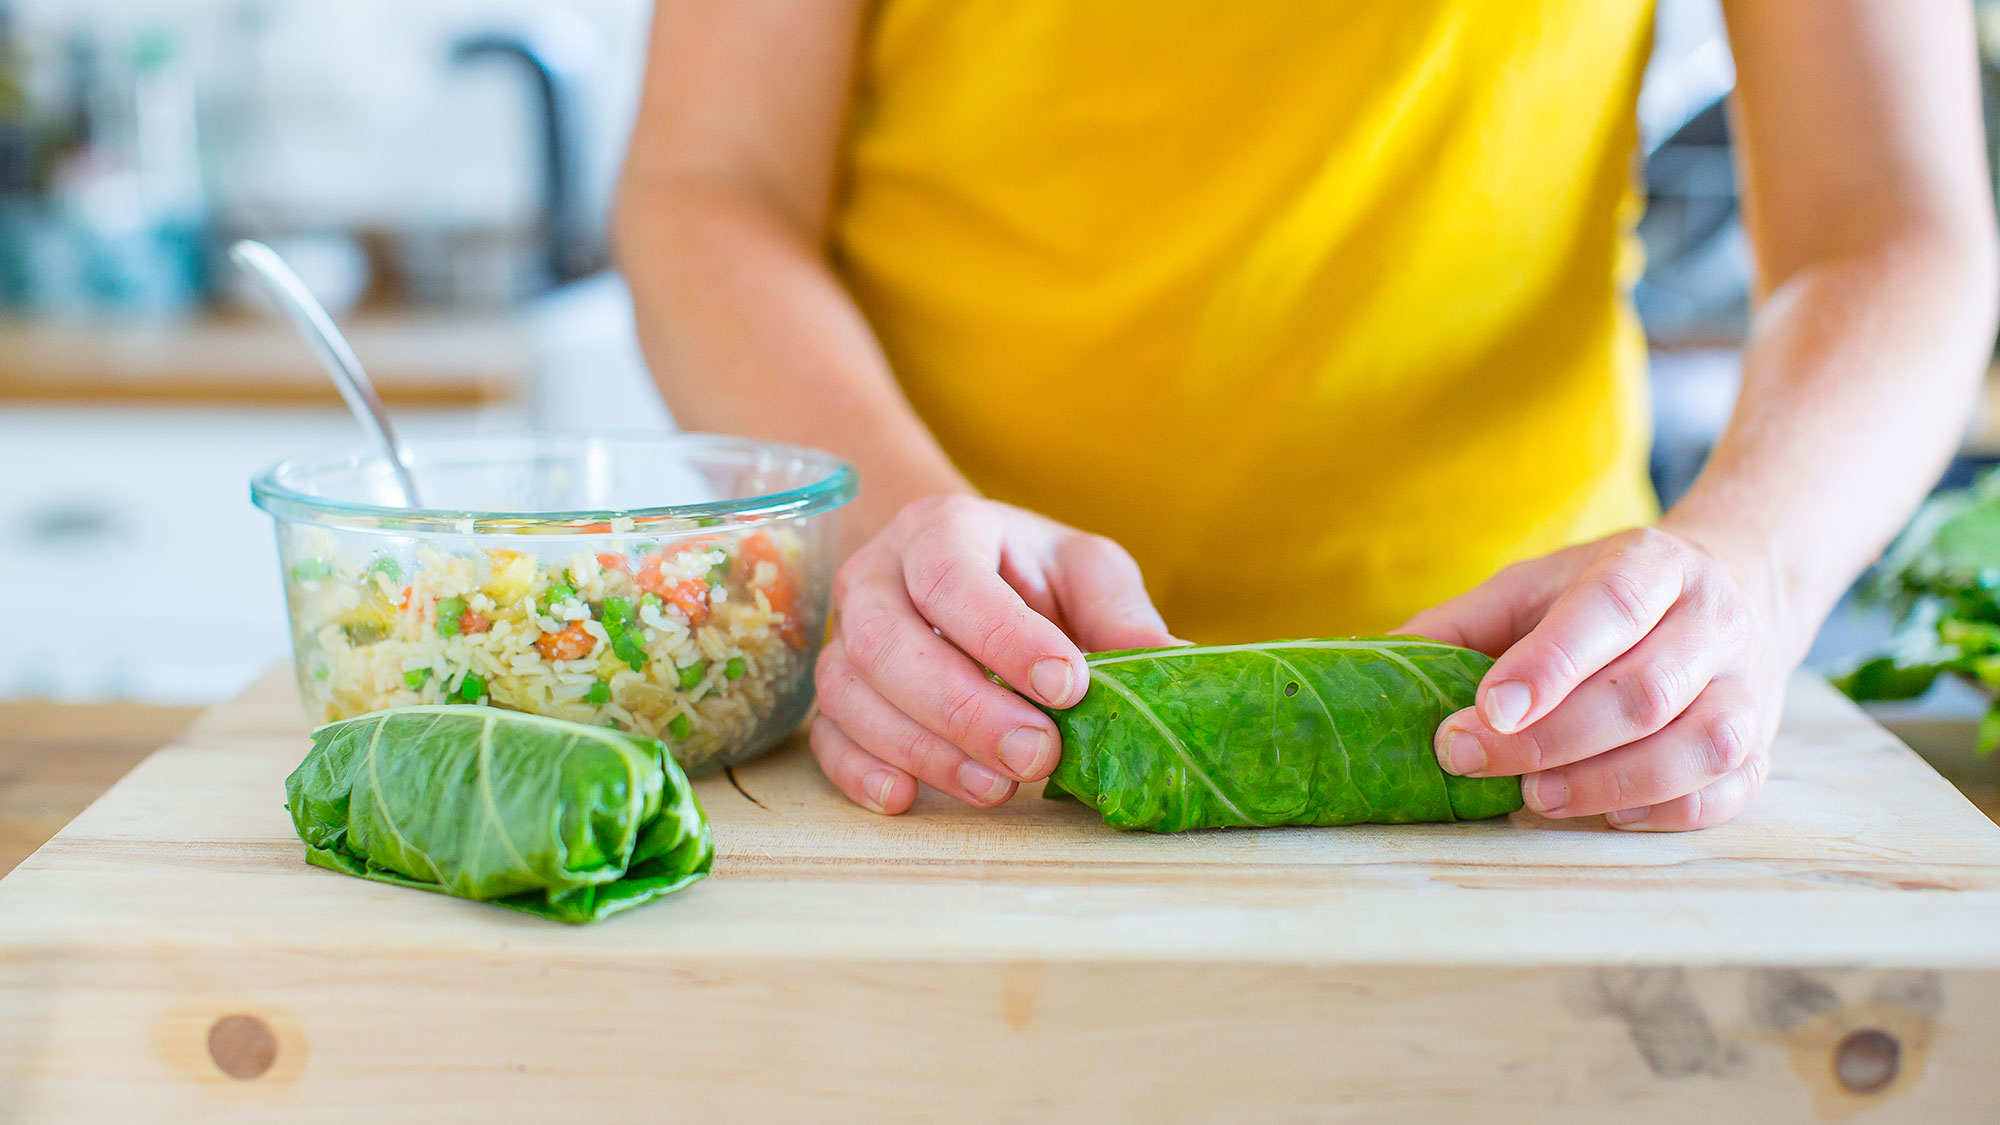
x: 440, y: 173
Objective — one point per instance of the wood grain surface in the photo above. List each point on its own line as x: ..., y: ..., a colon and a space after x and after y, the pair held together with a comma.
x: 1834, y: 954
x: 56, y: 758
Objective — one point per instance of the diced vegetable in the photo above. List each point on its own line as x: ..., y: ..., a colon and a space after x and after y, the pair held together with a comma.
x: 555, y: 595
x: 312, y: 570
x: 450, y: 612
x: 693, y: 674
x: 386, y: 565
x: 779, y: 589
x: 691, y: 598
x: 598, y: 695
x: 574, y: 642
x: 470, y: 688
x: 680, y: 727
x: 618, y: 563
x: 735, y: 669
x: 470, y: 622
x: 511, y: 574
x: 623, y: 629
x: 416, y: 678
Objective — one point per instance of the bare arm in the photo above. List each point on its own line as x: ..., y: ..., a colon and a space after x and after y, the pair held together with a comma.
x: 721, y: 230
x: 1863, y: 165
x: 722, y: 227
x: 1641, y: 676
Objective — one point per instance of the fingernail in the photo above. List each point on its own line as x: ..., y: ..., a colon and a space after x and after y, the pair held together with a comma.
x: 875, y: 789
x: 1052, y: 678
x: 1546, y: 794
x: 1462, y: 754
x: 1626, y: 816
x: 1506, y: 705
x: 1026, y: 752
x: 982, y: 783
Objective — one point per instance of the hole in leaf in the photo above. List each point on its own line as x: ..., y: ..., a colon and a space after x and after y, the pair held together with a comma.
x: 1291, y: 689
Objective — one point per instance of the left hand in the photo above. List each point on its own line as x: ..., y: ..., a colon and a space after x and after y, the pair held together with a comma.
x: 1639, y: 676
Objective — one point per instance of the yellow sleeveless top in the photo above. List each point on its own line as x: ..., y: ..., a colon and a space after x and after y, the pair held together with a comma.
x: 1320, y: 308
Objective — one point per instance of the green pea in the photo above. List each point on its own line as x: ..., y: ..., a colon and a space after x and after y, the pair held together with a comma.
x: 449, y: 611
x: 735, y: 668
x: 693, y: 674
x: 598, y: 695
x: 471, y: 688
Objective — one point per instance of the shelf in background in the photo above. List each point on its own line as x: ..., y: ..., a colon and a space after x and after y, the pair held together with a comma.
x: 415, y: 359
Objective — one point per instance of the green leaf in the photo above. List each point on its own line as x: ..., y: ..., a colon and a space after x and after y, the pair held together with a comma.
x: 1989, y: 731
x: 1333, y: 731
x: 563, y: 820
x: 1898, y: 675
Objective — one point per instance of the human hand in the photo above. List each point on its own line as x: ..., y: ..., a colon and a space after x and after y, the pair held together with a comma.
x: 1639, y: 676
x: 955, y: 584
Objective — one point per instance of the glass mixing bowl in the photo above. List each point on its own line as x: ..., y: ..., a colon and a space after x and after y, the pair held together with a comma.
x: 675, y: 585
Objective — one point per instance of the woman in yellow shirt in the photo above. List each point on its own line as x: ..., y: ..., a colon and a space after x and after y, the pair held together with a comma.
x: 1319, y: 311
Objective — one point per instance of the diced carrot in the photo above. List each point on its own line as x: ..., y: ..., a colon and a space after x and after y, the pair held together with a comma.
x: 599, y: 528
x: 470, y: 622
x: 405, y: 603
x: 690, y: 596
x: 780, y: 590
x: 618, y: 563
x: 572, y: 643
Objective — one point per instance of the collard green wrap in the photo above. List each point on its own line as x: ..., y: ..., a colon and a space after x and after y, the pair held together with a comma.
x: 1311, y: 732
x: 566, y: 821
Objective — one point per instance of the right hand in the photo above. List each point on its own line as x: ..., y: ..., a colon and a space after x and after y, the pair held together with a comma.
x: 955, y: 584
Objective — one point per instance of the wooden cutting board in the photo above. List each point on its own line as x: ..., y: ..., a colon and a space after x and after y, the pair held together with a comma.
x: 1833, y: 954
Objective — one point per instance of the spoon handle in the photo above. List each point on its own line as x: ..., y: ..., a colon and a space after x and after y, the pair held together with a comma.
x: 312, y: 321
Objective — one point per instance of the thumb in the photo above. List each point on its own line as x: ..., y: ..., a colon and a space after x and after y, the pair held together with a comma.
x: 1103, y: 598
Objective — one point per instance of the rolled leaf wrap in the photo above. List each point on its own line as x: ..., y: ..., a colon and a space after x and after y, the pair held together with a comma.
x: 1310, y: 732
x: 566, y: 821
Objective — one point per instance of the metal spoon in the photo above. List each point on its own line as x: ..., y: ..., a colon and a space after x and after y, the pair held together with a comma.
x: 311, y: 319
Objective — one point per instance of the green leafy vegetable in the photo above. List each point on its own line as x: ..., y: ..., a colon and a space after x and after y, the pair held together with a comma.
x: 621, y: 625
x: 566, y: 821
x: 1943, y: 577
x: 1334, y: 731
